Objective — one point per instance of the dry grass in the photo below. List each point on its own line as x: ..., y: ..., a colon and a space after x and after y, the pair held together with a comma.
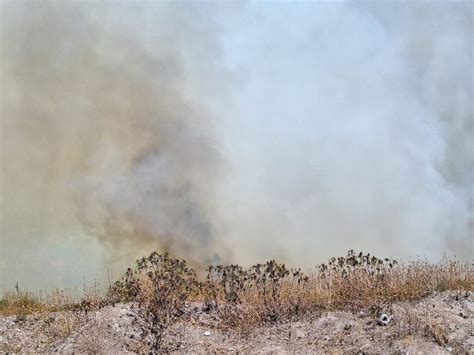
x: 264, y: 293
x: 22, y: 302
x: 361, y: 281
x: 269, y: 292
x: 96, y: 338
x: 51, y: 318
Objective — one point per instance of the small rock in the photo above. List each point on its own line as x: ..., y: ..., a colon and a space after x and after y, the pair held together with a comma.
x: 207, y: 333
x: 384, y: 319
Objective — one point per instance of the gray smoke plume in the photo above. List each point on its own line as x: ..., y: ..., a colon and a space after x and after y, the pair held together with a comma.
x: 103, y: 131
x: 232, y: 132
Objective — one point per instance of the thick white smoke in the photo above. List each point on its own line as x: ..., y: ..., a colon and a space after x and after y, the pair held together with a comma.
x: 355, y: 130
x: 233, y: 132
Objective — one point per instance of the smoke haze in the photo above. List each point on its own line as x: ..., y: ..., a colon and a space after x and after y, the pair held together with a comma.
x: 232, y: 133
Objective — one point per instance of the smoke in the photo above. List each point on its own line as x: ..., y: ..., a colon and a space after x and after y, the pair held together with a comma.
x: 103, y: 131
x: 355, y: 130
x: 233, y: 133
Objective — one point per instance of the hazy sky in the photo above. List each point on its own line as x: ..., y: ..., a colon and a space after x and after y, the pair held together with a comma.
x: 232, y: 132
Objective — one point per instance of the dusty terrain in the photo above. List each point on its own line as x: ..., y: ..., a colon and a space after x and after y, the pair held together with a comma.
x: 441, y: 323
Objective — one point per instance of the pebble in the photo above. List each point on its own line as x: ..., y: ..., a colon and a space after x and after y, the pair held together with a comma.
x: 207, y: 333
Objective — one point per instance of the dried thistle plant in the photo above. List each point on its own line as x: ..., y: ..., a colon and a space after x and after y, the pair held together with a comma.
x: 160, y: 287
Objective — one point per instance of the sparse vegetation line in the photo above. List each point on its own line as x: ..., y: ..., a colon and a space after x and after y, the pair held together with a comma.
x: 160, y: 288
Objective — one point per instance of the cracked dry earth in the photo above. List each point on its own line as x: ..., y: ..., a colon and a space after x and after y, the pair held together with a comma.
x: 441, y: 323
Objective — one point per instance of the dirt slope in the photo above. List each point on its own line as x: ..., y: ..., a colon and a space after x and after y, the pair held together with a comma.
x: 441, y: 323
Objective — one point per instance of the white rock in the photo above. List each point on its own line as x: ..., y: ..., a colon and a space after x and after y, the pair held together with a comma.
x: 207, y: 333
x: 384, y: 319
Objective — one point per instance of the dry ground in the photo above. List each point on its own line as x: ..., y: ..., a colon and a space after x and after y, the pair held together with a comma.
x: 440, y: 323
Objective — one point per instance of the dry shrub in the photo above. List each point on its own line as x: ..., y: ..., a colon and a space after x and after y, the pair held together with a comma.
x: 159, y: 288
x: 225, y: 291
x: 126, y: 289
x: 264, y: 293
x: 278, y: 290
x: 355, y: 281
x: 363, y: 281
x: 270, y: 292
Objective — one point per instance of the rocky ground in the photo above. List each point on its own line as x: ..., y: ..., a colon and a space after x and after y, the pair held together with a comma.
x: 441, y: 323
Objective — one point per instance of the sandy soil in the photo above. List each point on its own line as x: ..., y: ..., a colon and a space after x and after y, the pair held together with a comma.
x: 441, y: 323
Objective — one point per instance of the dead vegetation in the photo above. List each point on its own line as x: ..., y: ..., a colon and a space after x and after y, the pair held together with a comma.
x: 160, y: 288
x: 264, y: 293
x: 22, y: 302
